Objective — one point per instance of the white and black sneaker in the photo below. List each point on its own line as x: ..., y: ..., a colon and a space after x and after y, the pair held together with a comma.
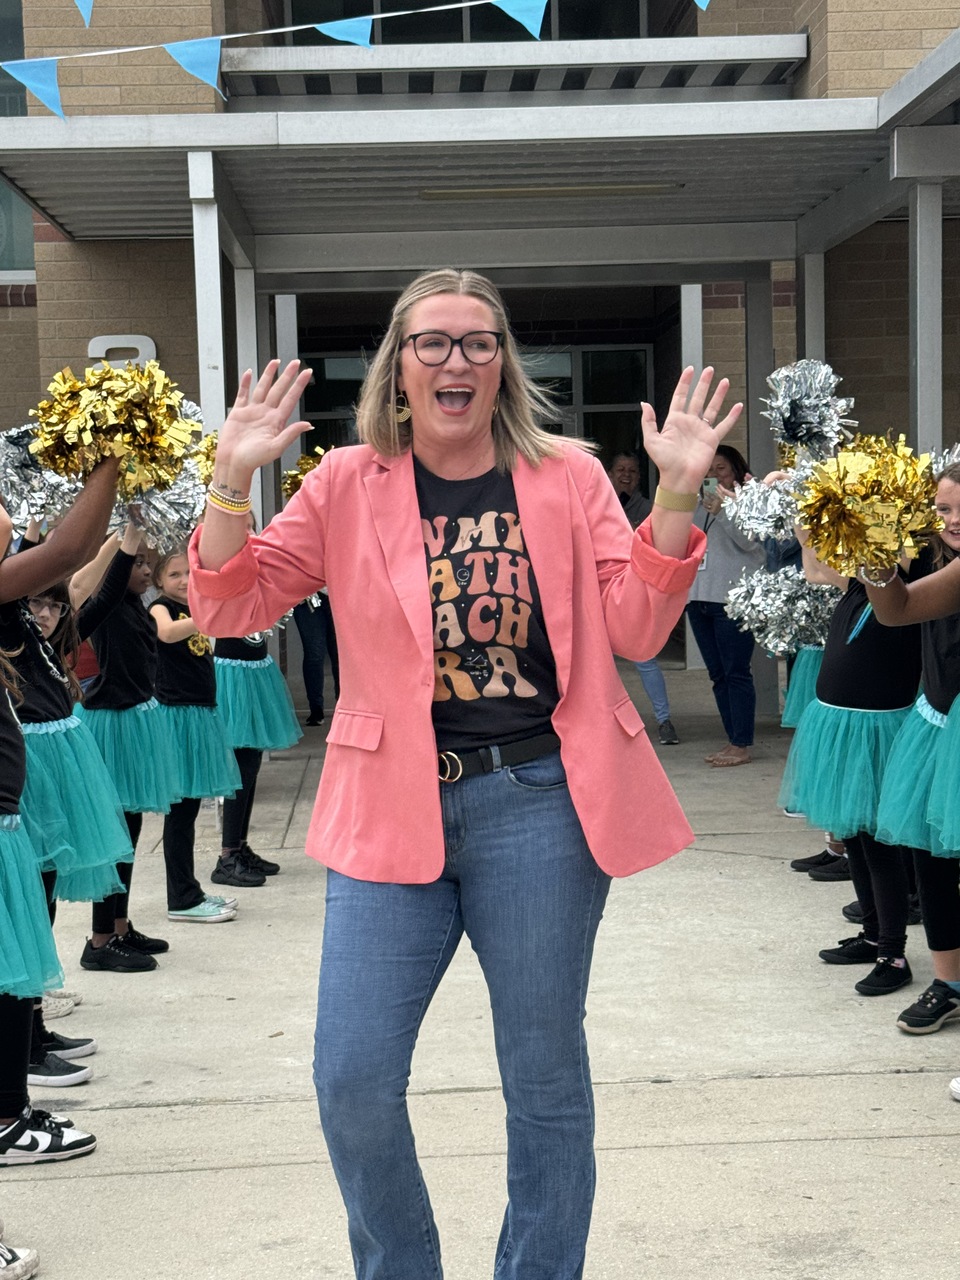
x: 69, y: 1047
x: 53, y: 1070
x: 18, y: 1264
x: 37, y: 1138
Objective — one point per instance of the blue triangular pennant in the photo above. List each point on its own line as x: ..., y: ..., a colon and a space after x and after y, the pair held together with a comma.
x: 701, y: 4
x: 39, y: 75
x: 86, y: 10
x: 200, y: 57
x: 349, y: 30
x: 529, y: 13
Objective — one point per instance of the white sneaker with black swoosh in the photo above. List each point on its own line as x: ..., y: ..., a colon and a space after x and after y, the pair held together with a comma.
x: 36, y: 1138
x: 18, y: 1264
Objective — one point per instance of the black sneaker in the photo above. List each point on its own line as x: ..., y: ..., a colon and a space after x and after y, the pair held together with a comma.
x: 938, y: 1004
x: 56, y: 1072
x: 851, y: 951
x: 838, y: 870
x: 884, y: 978
x: 234, y: 869
x: 138, y: 941
x: 115, y: 956
x: 36, y: 1138
x: 18, y: 1264
x: 256, y: 863
x: 67, y: 1047
x: 852, y: 912
x: 818, y: 860
x: 668, y: 734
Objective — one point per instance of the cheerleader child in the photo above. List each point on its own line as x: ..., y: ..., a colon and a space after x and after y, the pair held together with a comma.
x: 187, y: 693
x: 256, y: 707
x: 124, y: 717
x: 919, y: 803
x: 867, y: 682
x: 28, y: 957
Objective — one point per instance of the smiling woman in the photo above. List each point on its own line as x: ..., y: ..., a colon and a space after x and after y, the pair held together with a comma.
x: 482, y: 573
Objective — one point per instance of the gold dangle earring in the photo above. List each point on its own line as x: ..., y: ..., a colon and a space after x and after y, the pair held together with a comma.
x: 401, y: 409
x: 496, y: 405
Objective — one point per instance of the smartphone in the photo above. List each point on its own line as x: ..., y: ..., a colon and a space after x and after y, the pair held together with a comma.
x: 710, y: 486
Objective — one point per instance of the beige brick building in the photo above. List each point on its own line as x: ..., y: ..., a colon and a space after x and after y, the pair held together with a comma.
x: 650, y: 184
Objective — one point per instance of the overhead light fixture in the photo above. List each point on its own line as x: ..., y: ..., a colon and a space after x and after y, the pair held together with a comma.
x: 568, y: 192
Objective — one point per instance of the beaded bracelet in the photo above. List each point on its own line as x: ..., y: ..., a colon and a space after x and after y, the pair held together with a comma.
x: 880, y: 585
x: 232, y: 506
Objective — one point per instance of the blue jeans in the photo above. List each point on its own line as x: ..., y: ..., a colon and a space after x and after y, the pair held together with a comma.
x: 727, y: 652
x: 520, y: 881
x: 655, y: 687
x: 318, y: 638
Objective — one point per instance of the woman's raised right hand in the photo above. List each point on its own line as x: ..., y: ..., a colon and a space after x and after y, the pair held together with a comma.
x: 256, y: 429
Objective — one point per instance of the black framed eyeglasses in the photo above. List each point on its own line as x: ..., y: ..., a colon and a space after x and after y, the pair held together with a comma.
x: 433, y: 347
x: 37, y: 604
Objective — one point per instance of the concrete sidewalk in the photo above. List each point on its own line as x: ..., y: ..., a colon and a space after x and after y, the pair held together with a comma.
x: 756, y: 1118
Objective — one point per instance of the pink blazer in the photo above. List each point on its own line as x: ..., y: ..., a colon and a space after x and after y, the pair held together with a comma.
x: 355, y: 525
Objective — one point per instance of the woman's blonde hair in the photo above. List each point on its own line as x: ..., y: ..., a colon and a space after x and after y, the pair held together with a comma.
x: 522, y: 404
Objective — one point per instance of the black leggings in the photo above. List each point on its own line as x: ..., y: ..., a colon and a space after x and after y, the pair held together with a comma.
x: 179, y: 833
x: 879, y: 875
x: 117, y: 905
x: 16, y: 1027
x: 938, y: 883
x: 50, y: 886
x: 237, y: 810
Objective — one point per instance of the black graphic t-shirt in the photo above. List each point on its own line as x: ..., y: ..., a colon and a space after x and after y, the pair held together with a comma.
x: 185, y: 673
x: 495, y: 676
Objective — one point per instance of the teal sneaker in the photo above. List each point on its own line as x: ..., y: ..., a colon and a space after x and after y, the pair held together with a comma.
x: 205, y: 912
x: 230, y: 903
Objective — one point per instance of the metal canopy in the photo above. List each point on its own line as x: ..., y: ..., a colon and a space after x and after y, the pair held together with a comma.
x: 393, y: 170
x: 458, y: 75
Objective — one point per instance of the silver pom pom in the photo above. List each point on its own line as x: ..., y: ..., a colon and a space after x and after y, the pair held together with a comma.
x: 763, y: 510
x: 29, y: 492
x: 783, y: 610
x: 167, y: 517
x: 940, y: 461
x: 804, y: 411
x: 191, y: 411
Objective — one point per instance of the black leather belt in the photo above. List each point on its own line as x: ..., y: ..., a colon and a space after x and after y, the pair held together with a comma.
x: 454, y: 765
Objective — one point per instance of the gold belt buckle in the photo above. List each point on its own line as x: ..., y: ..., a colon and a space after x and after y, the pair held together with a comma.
x: 447, y: 760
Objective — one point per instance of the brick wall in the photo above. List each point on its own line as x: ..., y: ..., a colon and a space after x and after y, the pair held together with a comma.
x: 871, y: 43
x: 747, y: 18
x: 122, y: 286
x: 724, y: 336
x: 19, y: 386
x: 131, y: 83
x: 867, y: 326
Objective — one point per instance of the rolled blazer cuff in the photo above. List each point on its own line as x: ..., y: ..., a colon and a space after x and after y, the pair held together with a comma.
x: 237, y: 576
x: 666, y: 573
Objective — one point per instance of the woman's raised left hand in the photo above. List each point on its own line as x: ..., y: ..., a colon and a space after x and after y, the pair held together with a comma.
x: 683, y: 449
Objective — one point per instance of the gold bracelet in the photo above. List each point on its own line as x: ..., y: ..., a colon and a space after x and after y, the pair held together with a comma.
x: 228, y: 499
x: 671, y: 501
x: 231, y: 509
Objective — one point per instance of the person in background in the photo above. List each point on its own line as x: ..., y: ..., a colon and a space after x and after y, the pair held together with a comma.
x: 726, y: 650
x: 318, y: 637
x: 624, y: 475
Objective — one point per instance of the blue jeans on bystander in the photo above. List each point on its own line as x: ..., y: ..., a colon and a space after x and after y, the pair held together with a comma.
x: 727, y: 652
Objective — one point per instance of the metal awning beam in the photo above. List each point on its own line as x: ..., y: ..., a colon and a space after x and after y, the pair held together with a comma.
x: 528, y: 248
x: 856, y: 206
x: 926, y: 89
x: 929, y: 152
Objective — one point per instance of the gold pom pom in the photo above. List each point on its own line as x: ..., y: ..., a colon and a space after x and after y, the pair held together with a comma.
x: 204, y: 454
x: 292, y: 480
x: 131, y: 413
x: 870, y: 504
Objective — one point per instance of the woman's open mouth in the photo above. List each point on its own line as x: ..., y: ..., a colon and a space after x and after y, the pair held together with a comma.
x: 455, y: 399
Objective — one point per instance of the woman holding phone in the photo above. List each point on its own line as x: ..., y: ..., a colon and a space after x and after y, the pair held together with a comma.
x: 726, y: 650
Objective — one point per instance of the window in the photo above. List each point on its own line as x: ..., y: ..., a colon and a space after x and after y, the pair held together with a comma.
x: 16, y: 218
x: 563, y: 20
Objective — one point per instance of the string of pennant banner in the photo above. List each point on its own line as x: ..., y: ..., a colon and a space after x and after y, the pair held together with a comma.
x: 201, y: 58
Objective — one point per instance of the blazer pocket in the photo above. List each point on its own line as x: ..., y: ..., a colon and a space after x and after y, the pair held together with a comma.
x: 361, y: 729
x: 629, y: 718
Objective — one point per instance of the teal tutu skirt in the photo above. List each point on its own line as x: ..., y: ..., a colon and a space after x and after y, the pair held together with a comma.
x: 28, y: 955
x: 84, y: 808
x: 802, y: 686
x: 943, y: 809
x: 255, y: 704
x: 903, y: 817
x: 206, y: 765
x: 835, y: 768
x: 138, y: 754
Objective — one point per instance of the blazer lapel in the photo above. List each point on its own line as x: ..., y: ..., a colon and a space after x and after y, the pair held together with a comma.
x: 392, y: 494
x: 543, y: 501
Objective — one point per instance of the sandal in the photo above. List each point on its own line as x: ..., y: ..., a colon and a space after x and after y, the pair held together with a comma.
x: 729, y: 761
